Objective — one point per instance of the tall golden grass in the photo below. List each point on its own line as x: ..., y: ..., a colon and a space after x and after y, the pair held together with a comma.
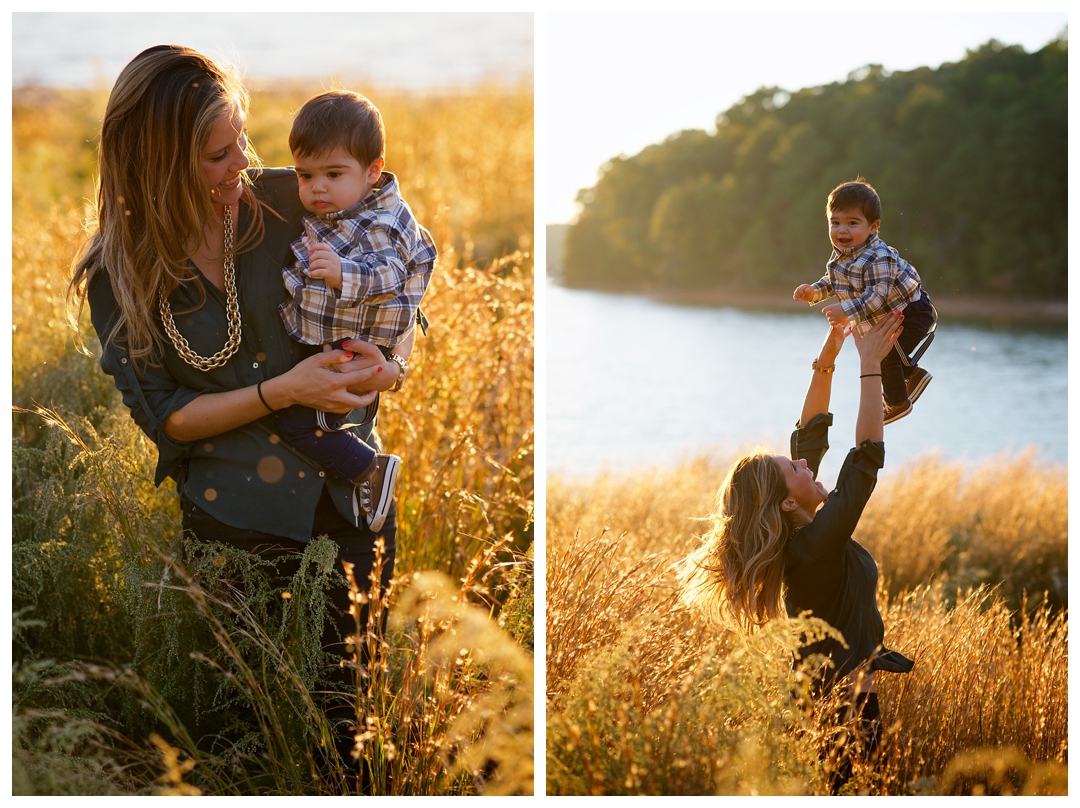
x: 645, y: 697
x: 138, y: 669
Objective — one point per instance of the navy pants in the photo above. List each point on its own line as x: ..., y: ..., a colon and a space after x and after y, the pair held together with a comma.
x: 338, y: 452
x: 918, y: 322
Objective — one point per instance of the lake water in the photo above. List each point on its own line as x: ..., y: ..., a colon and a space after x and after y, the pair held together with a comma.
x: 632, y: 382
x: 385, y: 50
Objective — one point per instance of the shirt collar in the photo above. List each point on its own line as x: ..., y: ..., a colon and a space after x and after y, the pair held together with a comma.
x: 851, y: 252
x: 384, y: 185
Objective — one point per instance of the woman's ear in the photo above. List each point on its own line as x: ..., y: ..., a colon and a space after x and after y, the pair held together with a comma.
x: 794, y: 513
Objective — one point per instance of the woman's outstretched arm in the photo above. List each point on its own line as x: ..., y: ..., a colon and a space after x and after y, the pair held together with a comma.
x: 820, y: 390
x: 873, y: 347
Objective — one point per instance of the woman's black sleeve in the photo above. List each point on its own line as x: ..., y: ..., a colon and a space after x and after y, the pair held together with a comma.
x: 835, y: 522
x: 151, y: 394
x: 811, y: 442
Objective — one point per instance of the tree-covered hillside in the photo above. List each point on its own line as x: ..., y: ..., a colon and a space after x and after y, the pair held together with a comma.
x: 970, y: 160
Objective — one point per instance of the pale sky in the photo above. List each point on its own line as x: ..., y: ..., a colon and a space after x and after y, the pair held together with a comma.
x: 614, y: 83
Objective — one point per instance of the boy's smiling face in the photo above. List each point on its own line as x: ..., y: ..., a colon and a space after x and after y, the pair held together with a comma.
x: 849, y: 228
x: 334, y: 181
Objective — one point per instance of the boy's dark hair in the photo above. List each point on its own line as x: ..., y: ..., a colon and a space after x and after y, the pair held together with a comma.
x: 339, y: 119
x: 855, y: 195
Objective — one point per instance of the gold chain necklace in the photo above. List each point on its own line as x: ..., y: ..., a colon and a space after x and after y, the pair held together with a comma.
x: 232, y: 311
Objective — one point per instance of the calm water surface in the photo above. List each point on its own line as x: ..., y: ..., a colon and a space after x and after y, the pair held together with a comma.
x: 632, y: 382
x: 407, y: 50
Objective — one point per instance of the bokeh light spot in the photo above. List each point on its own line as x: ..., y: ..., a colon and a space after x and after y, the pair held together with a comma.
x: 270, y: 469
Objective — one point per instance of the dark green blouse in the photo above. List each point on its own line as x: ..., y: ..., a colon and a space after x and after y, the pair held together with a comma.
x: 247, y: 477
x: 830, y: 574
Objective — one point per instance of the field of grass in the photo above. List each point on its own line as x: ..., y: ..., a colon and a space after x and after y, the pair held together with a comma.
x: 646, y: 697
x: 137, y: 668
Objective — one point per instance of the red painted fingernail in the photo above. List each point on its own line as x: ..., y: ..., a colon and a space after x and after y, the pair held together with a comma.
x: 345, y: 344
x: 349, y: 354
x: 380, y: 369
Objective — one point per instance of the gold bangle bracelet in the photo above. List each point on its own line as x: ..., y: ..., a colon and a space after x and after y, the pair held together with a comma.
x: 820, y: 369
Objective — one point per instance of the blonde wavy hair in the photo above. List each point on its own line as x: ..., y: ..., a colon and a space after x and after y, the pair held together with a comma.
x: 152, y: 199
x: 736, y: 575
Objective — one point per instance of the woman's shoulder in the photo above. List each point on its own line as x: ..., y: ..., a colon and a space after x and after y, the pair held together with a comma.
x: 101, y: 299
x: 275, y: 185
x: 277, y: 191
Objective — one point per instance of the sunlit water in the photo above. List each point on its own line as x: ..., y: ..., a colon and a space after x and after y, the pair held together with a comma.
x: 408, y: 50
x: 632, y: 382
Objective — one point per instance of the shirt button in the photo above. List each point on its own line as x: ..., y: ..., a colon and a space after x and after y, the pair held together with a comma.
x: 322, y: 473
x: 123, y: 361
x: 254, y: 364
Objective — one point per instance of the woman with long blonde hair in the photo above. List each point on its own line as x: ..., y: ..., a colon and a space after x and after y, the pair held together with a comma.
x: 182, y: 275
x: 780, y: 543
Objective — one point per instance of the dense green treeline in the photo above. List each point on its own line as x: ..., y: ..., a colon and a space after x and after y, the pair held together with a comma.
x: 970, y: 160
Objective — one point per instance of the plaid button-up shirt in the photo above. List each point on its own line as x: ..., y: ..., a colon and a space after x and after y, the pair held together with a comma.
x: 870, y: 281
x: 386, y: 264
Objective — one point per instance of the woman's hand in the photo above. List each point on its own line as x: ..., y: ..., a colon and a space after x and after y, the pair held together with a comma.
x: 365, y: 356
x: 876, y: 343
x: 834, y: 341
x: 323, y: 382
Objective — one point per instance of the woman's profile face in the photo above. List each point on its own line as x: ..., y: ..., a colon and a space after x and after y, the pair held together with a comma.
x: 223, y: 158
x: 807, y: 492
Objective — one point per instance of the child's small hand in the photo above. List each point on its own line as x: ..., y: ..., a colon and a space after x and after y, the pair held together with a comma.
x: 835, y: 313
x: 324, y: 263
x: 804, y: 292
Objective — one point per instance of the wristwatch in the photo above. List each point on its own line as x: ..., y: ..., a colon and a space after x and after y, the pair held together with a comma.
x: 404, y: 365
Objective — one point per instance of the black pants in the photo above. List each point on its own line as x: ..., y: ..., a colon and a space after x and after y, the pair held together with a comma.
x: 355, y: 545
x: 899, y: 364
x: 845, y: 749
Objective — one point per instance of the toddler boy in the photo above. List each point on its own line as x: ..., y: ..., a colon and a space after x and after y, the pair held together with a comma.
x: 361, y: 270
x: 869, y: 280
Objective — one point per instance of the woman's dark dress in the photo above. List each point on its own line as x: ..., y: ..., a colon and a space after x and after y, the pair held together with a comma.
x: 830, y: 574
